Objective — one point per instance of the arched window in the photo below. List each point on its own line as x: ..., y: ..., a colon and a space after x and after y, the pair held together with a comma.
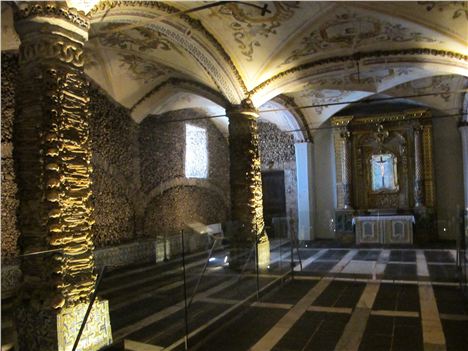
x: 196, y: 152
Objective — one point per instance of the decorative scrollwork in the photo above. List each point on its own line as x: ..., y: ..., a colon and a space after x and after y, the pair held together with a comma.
x: 345, y: 31
x: 177, y: 82
x: 193, y: 23
x: 247, y: 27
x: 352, y: 58
x: 459, y: 8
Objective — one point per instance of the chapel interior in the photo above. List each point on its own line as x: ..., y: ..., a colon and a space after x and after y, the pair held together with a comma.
x: 234, y: 175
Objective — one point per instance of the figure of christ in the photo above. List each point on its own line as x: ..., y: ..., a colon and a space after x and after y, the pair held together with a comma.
x: 383, y: 176
x: 382, y: 163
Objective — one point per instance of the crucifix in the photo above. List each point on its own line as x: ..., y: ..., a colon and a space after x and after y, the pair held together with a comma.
x: 382, y: 163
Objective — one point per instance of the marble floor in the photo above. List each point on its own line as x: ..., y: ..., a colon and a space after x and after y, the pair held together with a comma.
x: 342, y: 299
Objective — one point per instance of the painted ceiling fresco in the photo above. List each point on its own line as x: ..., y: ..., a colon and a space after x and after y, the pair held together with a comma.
x: 310, y: 51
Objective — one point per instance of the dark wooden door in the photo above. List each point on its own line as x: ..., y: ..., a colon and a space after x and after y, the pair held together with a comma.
x: 274, y: 197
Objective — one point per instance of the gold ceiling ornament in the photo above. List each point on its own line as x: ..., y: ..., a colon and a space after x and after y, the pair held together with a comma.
x: 341, y: 121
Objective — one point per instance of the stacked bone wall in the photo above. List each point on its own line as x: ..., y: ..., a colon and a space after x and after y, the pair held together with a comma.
x: 116, y: 170
x: 277, y: 153
x: 174, y: 200
x: 10, y: 232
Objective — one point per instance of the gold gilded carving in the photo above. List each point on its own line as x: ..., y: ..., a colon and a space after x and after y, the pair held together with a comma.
x: 381, y: 135
x: 384, y: 118
x: 342, y: 141
x: 341, y: 121
x: 428, y: 165
x: 394, y: 135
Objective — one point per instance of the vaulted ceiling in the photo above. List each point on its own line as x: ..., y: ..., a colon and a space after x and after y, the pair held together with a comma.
x: 157, y: 56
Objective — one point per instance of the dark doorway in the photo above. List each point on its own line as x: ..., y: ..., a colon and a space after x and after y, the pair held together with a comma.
x: 274, y: 198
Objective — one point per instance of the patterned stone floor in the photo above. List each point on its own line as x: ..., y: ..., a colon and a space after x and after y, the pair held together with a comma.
x: 343, y: 299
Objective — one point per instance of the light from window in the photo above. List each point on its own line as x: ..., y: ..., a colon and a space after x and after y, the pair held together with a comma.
x: 196, y: 152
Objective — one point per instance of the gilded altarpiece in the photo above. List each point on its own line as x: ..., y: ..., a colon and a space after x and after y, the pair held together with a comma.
x: 388, y: 162
x: 369, y: 149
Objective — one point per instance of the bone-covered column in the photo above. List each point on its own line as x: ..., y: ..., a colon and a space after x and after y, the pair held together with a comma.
x: 52, y: 154
x: 418, y: 168
x: 246, y: 182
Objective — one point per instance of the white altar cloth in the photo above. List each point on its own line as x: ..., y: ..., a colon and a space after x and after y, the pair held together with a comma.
x: 374, y: 229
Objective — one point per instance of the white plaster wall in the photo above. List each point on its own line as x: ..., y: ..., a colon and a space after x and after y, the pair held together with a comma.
x: 305, y: 194
x: 448, y: 176
x: 324, y: 183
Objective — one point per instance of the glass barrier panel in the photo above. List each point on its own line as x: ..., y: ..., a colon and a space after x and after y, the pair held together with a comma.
x: 146, y: 300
